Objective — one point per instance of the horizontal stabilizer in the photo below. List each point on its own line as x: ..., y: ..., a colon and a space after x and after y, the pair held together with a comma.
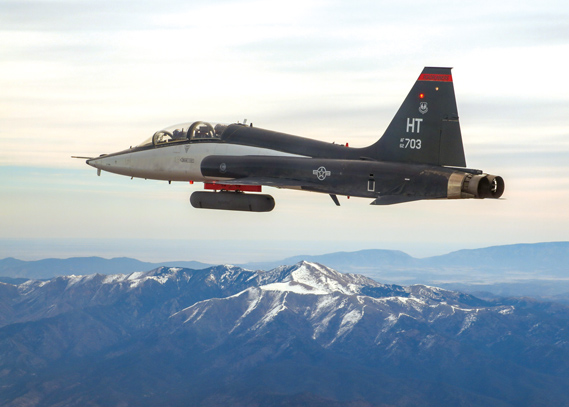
x: 395, y: 199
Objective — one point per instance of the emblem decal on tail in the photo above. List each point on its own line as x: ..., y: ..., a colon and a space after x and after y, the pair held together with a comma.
x: 423, y: 108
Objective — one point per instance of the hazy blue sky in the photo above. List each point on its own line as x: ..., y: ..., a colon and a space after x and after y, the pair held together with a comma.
x: 91, y: 77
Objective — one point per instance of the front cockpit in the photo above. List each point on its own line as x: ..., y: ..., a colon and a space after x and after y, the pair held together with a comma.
x: 199, y: 131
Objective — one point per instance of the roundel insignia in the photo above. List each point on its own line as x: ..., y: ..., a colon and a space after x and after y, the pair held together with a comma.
x: 321, y: 173
x: 222, y: 168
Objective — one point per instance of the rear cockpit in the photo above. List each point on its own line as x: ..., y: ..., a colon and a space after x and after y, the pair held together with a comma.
x: 186, y: 132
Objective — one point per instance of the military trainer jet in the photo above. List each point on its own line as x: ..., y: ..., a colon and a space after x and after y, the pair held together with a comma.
x: 420, y: 156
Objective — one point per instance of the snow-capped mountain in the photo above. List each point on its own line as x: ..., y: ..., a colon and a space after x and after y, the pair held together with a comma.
x: 294, y: 335
x: 333, y: 304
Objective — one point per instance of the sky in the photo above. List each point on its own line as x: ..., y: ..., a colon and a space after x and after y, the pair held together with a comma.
x: 97, y: 76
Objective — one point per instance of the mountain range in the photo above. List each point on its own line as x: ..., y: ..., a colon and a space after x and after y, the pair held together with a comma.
x: 539, y: 269
x: 491, y: 264
x: 303, y: 334
x: 48, y: 268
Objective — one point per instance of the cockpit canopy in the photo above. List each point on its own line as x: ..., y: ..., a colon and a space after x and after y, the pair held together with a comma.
x: 196, y: 131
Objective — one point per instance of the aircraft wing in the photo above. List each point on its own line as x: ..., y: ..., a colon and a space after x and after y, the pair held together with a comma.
x: 270, y: 182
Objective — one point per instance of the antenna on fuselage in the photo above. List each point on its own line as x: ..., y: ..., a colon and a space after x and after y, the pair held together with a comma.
x: 244, y: 123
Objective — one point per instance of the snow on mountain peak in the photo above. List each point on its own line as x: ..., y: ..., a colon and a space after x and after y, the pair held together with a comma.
x: 313, y: 278
x: 135, y: 279
x: 321, y: 278
x: 295, y: 287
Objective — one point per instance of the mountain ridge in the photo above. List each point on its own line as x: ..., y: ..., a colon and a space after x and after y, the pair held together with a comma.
x: 539, y: 269
x: 303, y: 334
x: 52, y: 267
x: 549, y: 257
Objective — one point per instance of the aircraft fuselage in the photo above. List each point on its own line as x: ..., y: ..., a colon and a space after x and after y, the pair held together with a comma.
x: 420, y: 156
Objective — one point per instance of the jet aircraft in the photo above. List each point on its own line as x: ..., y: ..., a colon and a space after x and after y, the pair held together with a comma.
x: 420, y: 156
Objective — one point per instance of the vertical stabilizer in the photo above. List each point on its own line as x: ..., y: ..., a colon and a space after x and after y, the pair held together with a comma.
x: 425, y: 129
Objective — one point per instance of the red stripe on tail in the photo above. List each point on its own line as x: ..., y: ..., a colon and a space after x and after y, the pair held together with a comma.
x: 433, y: 77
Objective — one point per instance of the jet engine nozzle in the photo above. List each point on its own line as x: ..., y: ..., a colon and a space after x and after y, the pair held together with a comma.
x: 475, y: 186
x: 497, y: 186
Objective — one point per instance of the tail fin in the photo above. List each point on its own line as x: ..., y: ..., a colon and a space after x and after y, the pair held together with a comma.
x: 425, y: 129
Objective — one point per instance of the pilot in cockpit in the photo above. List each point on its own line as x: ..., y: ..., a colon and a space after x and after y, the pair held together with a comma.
x: 178, y: 134
x: 219, y: 129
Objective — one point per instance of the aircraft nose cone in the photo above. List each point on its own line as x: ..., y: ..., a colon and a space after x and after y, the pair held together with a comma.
x: 95, y: 162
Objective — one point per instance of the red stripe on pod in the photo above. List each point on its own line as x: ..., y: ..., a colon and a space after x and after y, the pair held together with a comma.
x: 225, y: 187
